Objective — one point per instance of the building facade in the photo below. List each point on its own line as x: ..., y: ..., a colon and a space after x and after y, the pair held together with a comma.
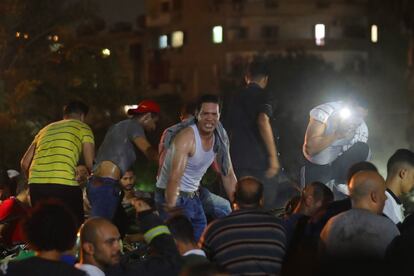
x: 192, y: 45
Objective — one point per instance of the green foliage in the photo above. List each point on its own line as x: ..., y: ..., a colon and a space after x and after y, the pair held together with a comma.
x: 38, y: 79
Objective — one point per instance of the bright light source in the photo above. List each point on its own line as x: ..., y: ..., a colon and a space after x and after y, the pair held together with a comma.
x: 106, y: 52
x: 345, y: 113
x: 320, y: 34
x: 18, y: 34
x: 217, y: 34
x: 163, y: 41
x: 26, y: 36
x: 55, y: 38
x: 374, y: 33
x: 128, y: 107
x: 177, y: 39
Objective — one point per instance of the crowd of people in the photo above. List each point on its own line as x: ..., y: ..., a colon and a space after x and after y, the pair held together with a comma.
x: 344, y: 218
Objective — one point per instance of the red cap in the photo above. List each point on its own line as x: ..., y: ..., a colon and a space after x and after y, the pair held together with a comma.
x: 144, y: 107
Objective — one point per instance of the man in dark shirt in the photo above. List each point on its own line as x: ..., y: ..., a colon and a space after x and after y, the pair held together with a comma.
x: 249, y: 240
x: 50, y: 230
x: 252, y: 145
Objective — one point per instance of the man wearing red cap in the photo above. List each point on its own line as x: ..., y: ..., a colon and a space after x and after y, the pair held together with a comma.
x: 116, y: 154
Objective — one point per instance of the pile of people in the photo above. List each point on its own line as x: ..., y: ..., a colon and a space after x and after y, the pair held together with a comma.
x: 345, y: 219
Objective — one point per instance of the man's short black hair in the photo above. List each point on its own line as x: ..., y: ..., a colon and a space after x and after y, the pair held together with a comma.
x: 249, y: 191
x: 400, y: 157
x: 360, y: 166
x: 321, y: 192
x: 50, y: 226
x: 257, y: 68
x: 75, y: 107
x: 181, y: 228
x: 208, y: 98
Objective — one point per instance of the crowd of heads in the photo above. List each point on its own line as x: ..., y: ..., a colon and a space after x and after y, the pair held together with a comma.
x: 307, y: 222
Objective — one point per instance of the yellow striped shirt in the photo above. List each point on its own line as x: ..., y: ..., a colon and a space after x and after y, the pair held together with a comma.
x: 58, y: 148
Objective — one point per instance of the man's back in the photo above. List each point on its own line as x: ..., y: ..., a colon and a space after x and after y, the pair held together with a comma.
x: 118, y: 145
x: 247, y: 241
x: 58, y: 148
x: 246, y: 141
x: 358, y: 232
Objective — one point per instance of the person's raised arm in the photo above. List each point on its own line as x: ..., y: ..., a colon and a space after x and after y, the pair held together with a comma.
x: 316, y: 140
x: 266, y: 132
x: 27, y: 160
x: 145, y: 147
x: 180, y: 150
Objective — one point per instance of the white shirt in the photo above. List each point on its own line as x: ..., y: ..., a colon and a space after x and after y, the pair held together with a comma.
x: 90, y: 270
x: 325, y: 113
x: 393, y: 207
x: 195, y: 252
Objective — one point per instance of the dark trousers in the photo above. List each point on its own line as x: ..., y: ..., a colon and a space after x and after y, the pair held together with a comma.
x: 71, y: 196
x: 338, y: 169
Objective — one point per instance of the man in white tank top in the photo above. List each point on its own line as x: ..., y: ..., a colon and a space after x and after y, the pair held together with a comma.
x: 188, y: 158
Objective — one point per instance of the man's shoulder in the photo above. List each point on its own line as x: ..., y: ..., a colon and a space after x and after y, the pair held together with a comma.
x: 236, y: 217
x: 185, y: 133
x: 91, y: 270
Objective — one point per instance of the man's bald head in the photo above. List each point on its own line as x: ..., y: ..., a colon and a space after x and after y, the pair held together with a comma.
x: 249, y: 192
x: 367, y: 191
x: 89, y: 230
x: 100, y: 245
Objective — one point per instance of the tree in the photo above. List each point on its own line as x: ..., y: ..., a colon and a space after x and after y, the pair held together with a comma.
x: 45, y: 63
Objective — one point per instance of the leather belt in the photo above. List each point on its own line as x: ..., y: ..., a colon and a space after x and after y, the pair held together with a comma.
x: 181, y: 193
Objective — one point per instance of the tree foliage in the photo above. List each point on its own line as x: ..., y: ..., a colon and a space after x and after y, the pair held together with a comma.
x: 44, y: 63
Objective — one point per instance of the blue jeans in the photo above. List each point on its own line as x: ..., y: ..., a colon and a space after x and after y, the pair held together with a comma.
x: 103, y: 195
x: 192, y: 209
x: 214, y: 206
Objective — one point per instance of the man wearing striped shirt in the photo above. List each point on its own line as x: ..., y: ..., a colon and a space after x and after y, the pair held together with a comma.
x: 249, y: 240
x: 50, y: 161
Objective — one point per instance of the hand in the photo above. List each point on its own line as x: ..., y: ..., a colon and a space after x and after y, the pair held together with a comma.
x: 272, y: 170
x: 140, y: 205
x: 173, y: 210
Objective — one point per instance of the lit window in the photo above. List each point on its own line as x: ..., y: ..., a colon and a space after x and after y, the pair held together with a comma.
x: 374, y: 33
x: 177, y: 39
x: 217, y: 34
x: 163, y: 42
x: 320, y: 34
x: 106, y: 52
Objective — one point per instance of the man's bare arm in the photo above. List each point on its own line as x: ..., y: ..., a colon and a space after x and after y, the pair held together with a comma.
x: 27, y: 160
x: 88, y: 150
x: 180, y: 150
x: 266, y: 132
x: 229, y: 183
x: 315, y: 140
x: 145, y: 147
